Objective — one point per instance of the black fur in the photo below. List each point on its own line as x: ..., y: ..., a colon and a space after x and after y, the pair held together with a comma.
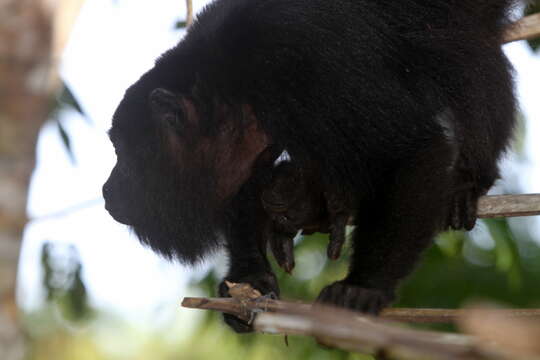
x: 405, y: 106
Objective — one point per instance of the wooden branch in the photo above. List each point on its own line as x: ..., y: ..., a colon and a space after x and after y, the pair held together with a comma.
x: 234, y: 307
x: 345, y: 330
x: 520, y: 336
x: 495, y: 206
x: 523, y: 29
x: 450, y: 315
x: 509, y: 205
x: 355, y: 332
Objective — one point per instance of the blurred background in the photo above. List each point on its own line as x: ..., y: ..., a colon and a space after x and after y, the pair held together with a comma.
x: 74, y: 284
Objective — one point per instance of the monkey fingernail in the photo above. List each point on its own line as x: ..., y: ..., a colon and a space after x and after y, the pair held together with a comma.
x: 288, y: 266
x: 337, y: 239
x: 333, y: 251
x: 283, y: 250
x: 287, y: 263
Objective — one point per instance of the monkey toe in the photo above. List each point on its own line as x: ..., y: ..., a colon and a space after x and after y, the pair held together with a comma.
x: 265, y: 283
x: 462, y: 213
x: 238, y: 325
x: 366, y: 300
x: 337, y: 237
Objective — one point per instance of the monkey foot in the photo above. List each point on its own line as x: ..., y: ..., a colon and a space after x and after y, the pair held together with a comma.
x: 366, y: 300
x: 265, y: 283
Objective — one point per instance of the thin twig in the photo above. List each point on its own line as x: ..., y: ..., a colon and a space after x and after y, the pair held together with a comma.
x: 509, y: 205
x: 450, y: 315
x: 189, y: 12
x: 494, y: 206
x: 524, y: 29
x: 337, y: 328
x: 356, y: 332
x: 232, y: 306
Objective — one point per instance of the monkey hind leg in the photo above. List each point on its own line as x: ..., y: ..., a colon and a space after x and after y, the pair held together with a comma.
x: 409, y: 208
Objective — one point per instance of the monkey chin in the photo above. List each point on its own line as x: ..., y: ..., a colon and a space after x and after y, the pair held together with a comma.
x: 118, y: 215
x: 176, y: 231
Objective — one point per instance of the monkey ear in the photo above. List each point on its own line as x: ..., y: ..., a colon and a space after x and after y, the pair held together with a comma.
x: 167, y: 107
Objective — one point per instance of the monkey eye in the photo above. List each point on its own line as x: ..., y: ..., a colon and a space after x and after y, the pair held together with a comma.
x: 174, y: 120
x: 168, y: 108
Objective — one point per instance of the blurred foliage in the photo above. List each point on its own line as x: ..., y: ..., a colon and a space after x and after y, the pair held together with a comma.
x: 62, y: 280
x: 180, y: 24
x: 65, y: 100
x: 489, y: 263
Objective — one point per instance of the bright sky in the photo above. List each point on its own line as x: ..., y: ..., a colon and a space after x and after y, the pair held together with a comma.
x: 113, y: 43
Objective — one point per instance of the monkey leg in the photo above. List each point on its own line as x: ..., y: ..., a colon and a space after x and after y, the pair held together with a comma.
x: 247, y: 265
x: 405, y: 214
x: 484, y: 120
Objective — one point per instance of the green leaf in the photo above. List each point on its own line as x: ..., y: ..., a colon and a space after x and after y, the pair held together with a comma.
x: 67, y: 99
x: 180, y: 24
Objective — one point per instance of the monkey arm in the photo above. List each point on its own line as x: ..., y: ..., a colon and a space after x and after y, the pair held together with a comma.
x: 247, y: 256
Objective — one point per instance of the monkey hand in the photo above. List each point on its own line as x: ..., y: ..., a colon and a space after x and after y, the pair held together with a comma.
x: 265, y: 283
x: 346, y: 295
x: 283, y: 226
x: 296, y: 199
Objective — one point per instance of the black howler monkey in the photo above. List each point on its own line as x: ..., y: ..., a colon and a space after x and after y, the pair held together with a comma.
x: 401, y: 107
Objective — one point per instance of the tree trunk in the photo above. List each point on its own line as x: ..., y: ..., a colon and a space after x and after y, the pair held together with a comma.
x: 25, y: 53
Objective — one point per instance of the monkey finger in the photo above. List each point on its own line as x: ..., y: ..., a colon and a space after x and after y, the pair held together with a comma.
x: 337, y: 237
x: 282, y: 246
x: 278, y: 245
x: 469, y: 217
x: 462, y: 214
x: 455, y: 215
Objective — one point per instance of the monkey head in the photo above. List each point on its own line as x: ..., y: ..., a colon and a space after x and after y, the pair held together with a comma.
x: 180, y: 160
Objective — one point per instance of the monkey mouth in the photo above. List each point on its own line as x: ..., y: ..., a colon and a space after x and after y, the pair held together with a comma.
x: 273, y: 203
x: 275, y: 207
